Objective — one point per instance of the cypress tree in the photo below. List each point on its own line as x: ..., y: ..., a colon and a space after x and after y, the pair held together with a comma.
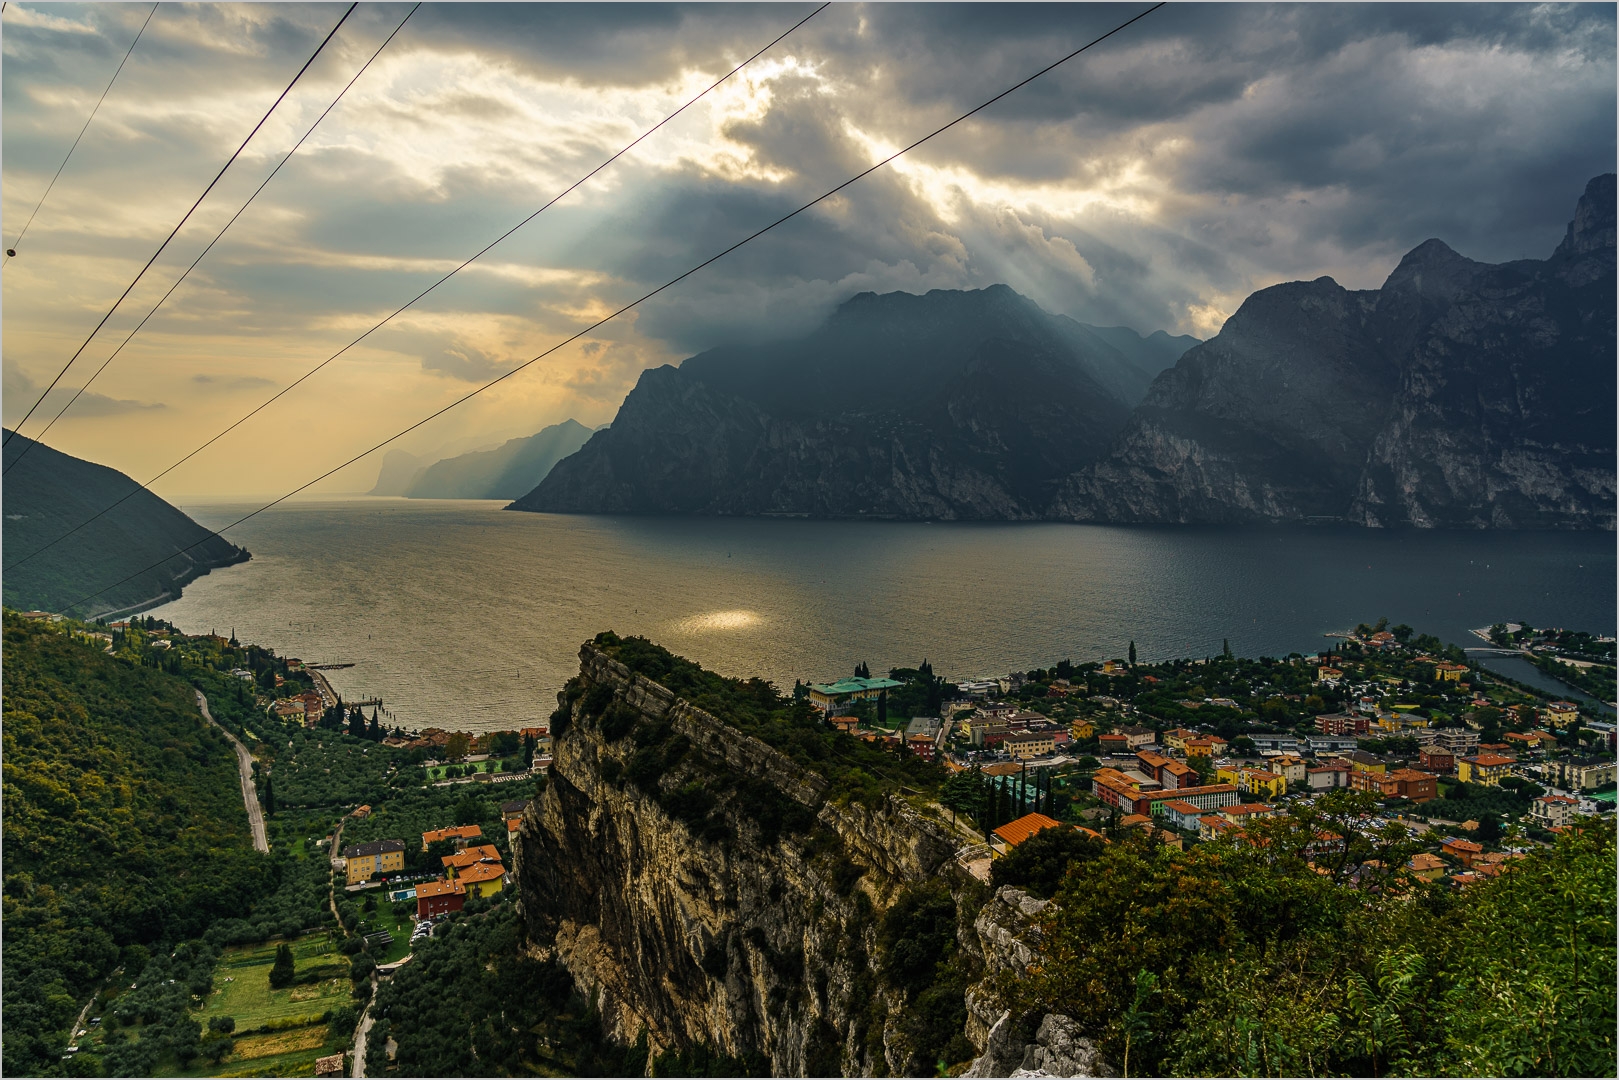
x: 282, y: 972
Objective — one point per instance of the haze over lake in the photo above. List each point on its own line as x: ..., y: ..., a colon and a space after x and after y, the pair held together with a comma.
x: 460, y: 614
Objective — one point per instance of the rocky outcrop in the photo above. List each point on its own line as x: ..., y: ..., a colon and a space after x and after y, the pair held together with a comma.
x: 1058, y: 1049
x: 949, y: 406
x: 1459, y: 395
x: 715, y: 927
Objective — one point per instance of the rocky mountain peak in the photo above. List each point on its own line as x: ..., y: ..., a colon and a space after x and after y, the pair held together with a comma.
x: 1592, y: 230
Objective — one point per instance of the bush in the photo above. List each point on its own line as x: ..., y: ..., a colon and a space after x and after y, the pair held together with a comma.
x: 226, y: 1024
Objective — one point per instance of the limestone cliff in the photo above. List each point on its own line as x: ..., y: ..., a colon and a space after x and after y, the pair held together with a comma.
x: 703, y: 889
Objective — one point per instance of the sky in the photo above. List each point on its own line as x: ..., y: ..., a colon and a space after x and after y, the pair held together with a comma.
x: 1154, y: 182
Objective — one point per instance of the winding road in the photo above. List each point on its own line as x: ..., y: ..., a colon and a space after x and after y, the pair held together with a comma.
x: 244, y: 766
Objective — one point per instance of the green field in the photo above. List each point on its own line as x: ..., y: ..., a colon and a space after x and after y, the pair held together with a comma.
x: 399, y: 926
x: 295, y: 1013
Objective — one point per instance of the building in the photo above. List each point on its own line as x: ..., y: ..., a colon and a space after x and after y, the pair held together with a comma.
x: 377, y: 857
x: 1292, y: 768
x: 1560, y: 714
x: 1254, y: 781
x: 1446, y: 671
x: 1013, y: 833
x: 1243, y: 813
x: 434, y: 898
x: 1487, y: 769
x: 1458, y: 741
x: 1327, y: 777
x: 1030, y: 744
x: 360, y: 813
x: 1181, y: 814
x: 330, y: 1065
x: 1436, y: 760
x: 1213, y: 826
x: 1551, y: 811
x: 1328, y: 676
x: 1206, y: 746
x: 1465, y: 852
x: 986, y: 729
x: 1361, y: 761
x: 924, y: 725
x: 1426, y: 867
x: 1203, y: 799
x: 460, y: 834
x: 1342, y: 724
x: 1081, y: 729
x: 923, y: 745
x: 481, y: 879
x: 1415, y: 785
x: 1114, y: 744
x: 1330, y: 744
x: 1175, y: 738
x: 1137, y: 737
x: 1286, y: 744
x: 835, y: 696
x: 512, y: 812
x: 1581, y: 774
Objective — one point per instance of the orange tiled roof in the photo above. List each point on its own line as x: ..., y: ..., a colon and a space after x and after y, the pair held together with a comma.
x: 454, y: 832
x: 480, y: 872
x: 1015, y: 832
x: 429, y: 889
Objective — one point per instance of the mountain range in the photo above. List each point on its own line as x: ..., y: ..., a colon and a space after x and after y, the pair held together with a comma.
x: 1460, y: 394
x: 953, y: 405
x: 49, y: 492
x: 507, y: 471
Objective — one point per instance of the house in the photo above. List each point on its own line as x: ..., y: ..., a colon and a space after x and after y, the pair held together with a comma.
x: 512, y: 812
x: 1436, y: 760
x: 1175, y: 738
x: 1415, y: 785
x: 923, y: 725
x: 1285, y: 744
x: 330, y: 1065
x: 1213, y: 826
x: 1081, y: 729
x: 1328, y: 676
x: 1465, y: 852
x: 1326, y: 777
x: 1254, y: 781
x: 1342, y: 724
x: 361, y: 812
x: 833, y: 696
x: 377, y: 857
x: 482, y: 879
x: 1242, y: 813
x: 1487, y: 769
x: 1137, y: 737
x: 1560, y: 714
x: 1114, y: 744
x: 1204, y: 798
x: 1426, y: 867
x: 1013, y: 833
x: 1292, y: 769
x: 434, y: 898
x: 1030, y: 744
x: 1207, y: 746
x: 1361, y: 761
x: 987, y: 730
x: 1446, y: 671
x: 461, y: 834
x: 1176, y: 775
x: 1551, y: 811
x: 1330, y: 744
x: 923, y: 745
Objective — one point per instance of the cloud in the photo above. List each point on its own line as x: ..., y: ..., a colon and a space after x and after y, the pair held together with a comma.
x: 1154, y: 181
x: 21, y: 392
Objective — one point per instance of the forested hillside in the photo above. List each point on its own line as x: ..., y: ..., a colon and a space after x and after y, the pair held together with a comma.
x: 123, y: 827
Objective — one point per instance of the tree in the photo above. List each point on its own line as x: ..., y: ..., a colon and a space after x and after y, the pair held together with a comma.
x: 372, y: 731
x: 882, y: 709
x: 1225, y: 648
x: 283, y: 970
x: 861, y: 671
x: 963, y: 792
x: 269, y: 796
x: 457, y: 746
x: 1132, y: 652
x: 225, y: 1024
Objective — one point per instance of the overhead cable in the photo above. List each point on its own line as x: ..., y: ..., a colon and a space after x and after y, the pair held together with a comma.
x: 18, y: 426
x: 468, y: 262
x: 632, y: 304
x: 86, y: 385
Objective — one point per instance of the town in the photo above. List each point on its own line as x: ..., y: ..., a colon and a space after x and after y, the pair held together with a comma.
x: 1475, y: 766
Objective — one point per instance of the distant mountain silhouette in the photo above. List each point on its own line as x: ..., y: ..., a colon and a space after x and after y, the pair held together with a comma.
x: 400, y: 468
x: 952, y: 405
x: 50, y: 492
x: 507, y: 472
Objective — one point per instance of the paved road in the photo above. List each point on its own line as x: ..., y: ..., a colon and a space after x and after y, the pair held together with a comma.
x: 359, y: 1042
x: 244, y: 765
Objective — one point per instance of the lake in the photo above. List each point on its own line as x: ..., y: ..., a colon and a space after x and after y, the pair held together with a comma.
x: 463, y: 615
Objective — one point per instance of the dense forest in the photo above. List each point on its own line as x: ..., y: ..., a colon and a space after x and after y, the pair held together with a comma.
x: 123, y: 828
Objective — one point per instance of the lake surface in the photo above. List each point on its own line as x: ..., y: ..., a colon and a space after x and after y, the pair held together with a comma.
x: 462, y: 615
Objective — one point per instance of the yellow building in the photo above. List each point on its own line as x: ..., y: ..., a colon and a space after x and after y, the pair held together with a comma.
x: 1082, y: 729
x: 377, y: 857
x: 1560, y: 713
x: 1446, y: 671
x: 1030, y: 745
x: 1487, y: 769
x: 830, y: 696
x: 1253, y: 781
x: 482, y: 879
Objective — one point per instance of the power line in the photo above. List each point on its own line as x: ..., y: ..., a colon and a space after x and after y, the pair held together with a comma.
x: 176, y: 230
x: 286, y: 389
x: 11, y: 252
x: 41, y: 433
x: 634, y: 303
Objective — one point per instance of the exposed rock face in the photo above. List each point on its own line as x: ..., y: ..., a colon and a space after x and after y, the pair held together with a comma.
x: 946, y: 406
x: 1459, y: 394
x: 751, y: 945
x: 1058, y: 1049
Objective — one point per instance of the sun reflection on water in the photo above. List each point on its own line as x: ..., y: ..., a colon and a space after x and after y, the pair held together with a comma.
x: 710, y: 621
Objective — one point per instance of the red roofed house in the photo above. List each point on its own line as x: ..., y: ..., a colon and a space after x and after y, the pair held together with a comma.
x: 459, y: 833
x: 1465, y: 852
x: 1551, y: 811
x: 1013, y: 833
x: 439, y: 898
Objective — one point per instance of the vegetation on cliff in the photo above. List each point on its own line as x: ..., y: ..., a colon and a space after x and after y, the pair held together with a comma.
x: 857, y: 771
x: 1243, y: 959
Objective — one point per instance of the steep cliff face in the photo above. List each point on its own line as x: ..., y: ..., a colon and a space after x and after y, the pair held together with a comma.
x: 1458, y: 395
x: 953, y: 405
x: 703, y: 890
